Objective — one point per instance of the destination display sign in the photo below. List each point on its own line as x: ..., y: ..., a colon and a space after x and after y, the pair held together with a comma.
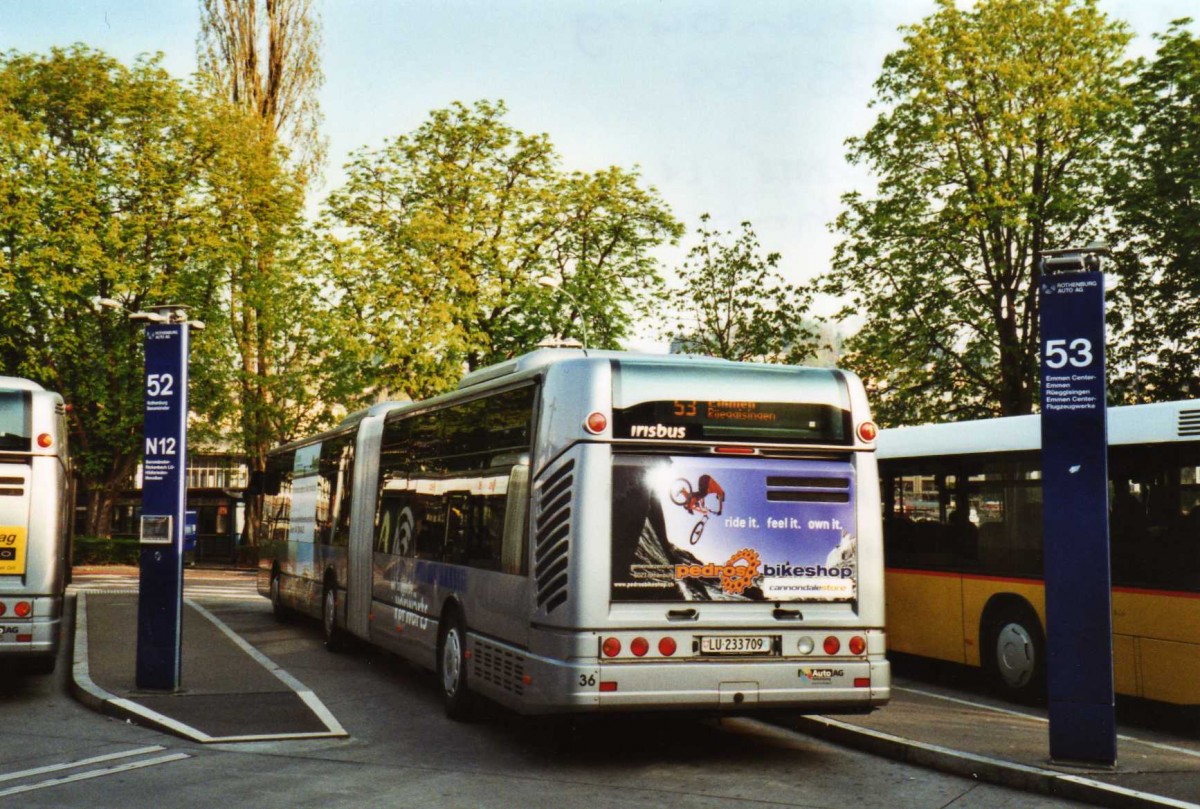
x: 696, y: 420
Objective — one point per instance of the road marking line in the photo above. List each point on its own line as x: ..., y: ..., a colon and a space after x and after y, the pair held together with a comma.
x: 84, y: 776
x: 1122, y: 736
x: 969, y: 703
x: 12, y: 776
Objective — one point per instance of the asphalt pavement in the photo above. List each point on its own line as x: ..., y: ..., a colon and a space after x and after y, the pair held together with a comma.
x: 232, y: 692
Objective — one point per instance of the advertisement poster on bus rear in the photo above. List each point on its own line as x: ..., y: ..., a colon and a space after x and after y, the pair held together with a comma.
x: 707, y: 528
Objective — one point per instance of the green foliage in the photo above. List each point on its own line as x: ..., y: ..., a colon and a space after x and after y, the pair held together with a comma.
x: 438, y: 239
x: 735, y: 304
x: 121, y: 182
x: 989, y: 148
x: 105, y: 551
x: 100, y: 168
x: 273, y: 381
x: 1155, y: 308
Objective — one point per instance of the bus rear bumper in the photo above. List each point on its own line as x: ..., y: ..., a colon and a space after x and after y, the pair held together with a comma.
x: 37, y: 636
x: 805, y: 685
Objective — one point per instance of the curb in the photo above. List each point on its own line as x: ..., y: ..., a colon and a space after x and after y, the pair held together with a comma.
x: 86, y: 691
x: 984, y: 768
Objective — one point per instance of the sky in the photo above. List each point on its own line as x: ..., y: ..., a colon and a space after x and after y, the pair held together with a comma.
x: 735, y: 108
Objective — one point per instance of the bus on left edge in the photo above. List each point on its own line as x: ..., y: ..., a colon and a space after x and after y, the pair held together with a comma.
x: 34, y: 523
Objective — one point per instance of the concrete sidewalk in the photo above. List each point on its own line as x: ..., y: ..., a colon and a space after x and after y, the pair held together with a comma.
x: 1009, y: 745
x: 232, y: 693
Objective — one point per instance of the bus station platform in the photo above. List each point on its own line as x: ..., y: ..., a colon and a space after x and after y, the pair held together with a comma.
x: 977, y: 736
x: 231, y: 692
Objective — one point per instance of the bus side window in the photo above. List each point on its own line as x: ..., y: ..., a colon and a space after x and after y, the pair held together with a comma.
x: 458, y: 528
x: 429, y: 526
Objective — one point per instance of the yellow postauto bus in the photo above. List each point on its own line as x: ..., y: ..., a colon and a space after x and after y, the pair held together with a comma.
x: 962, y: 508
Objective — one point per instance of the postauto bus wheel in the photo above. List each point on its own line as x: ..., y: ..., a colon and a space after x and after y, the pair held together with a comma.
x: 1015, y: 652
x: 452, y: 670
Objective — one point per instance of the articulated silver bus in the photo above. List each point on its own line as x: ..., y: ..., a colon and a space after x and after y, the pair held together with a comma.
x: 34, y: 513
x: 579, y: 530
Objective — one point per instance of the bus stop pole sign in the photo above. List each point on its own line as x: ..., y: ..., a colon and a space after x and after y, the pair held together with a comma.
x: 160, y: 603
x: 1075, y: 515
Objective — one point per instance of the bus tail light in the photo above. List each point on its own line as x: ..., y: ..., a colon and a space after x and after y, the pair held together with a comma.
x: 862, y: 682
x: 608, y: 685
x: 3, y: 608
x: 832, y: 645
x: 735, y: 450
x: 611, y: 647
x: 639, y: 647
x: 858, y: 645
x: 666, y: 647
x: 23, y: 609
x: 45, y: 440
x: 868, y: 431
x: 596, y: 423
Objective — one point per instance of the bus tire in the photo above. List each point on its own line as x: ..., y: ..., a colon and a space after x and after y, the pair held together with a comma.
x: 41, y: 665
x: 1014, y: 652
x: 335, y: 636
x: 457, y: 699
x: 277, y: 607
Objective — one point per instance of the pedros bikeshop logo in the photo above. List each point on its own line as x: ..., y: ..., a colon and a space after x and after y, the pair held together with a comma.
x: 736, y: 575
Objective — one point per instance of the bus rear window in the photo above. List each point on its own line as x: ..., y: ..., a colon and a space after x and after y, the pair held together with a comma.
x: 14, y: 421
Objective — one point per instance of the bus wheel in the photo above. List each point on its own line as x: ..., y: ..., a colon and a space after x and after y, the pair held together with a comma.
x: 280, y: 611
x: 452, y: 670
x: 1015, y: 653
x: 335, y: 638
x: 42, y: 664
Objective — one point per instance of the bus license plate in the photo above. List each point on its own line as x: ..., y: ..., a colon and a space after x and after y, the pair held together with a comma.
x: 735, y: 645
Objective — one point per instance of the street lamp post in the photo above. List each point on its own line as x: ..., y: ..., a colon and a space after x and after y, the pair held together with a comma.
x: 550, y: 282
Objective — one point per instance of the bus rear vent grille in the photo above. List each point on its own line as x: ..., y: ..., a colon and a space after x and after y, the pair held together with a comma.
x: 12, y: 487
x: 500, y: 667
x: 1189, y: 422
x: 552, y: 537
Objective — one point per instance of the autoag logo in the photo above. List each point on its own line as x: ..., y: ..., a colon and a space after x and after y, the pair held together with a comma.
x: 657, y: 431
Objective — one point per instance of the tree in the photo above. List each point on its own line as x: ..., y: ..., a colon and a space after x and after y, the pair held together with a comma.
x: 277, y: 381
x: 101, y: 177
x: 438, y: 239
x: 735, y: 304
x: 1156, y: 305
x: 263, y: 56
x: 989, y: 148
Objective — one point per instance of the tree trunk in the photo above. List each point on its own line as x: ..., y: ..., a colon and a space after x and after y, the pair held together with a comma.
x: 103, y: 495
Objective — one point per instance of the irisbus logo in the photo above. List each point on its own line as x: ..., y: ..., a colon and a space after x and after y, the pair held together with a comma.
x: 656, y: 431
